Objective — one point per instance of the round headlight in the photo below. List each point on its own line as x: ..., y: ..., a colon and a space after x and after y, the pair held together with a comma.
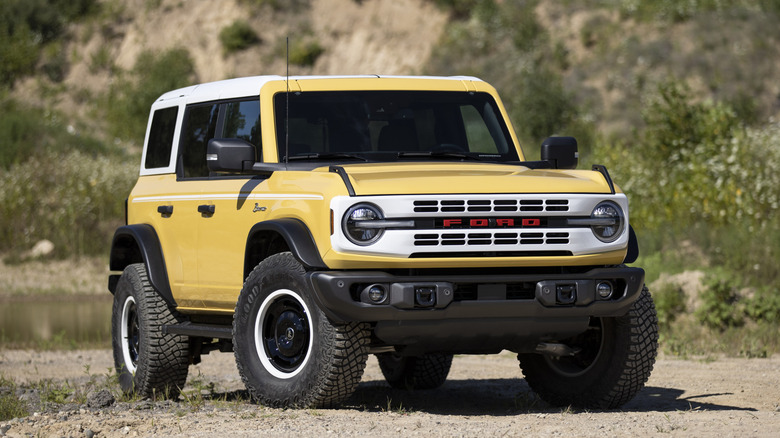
x: 610, y: 216
x: 355, y: 224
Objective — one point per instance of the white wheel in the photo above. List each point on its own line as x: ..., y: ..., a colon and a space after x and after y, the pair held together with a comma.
x: 130, y: 335
x: 283, y: 334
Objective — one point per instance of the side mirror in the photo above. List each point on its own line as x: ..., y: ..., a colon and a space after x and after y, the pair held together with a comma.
x: 229, y: 155
x: 561, y: 152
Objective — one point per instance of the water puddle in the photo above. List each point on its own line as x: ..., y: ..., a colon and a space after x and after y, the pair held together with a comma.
x: 41, y: 322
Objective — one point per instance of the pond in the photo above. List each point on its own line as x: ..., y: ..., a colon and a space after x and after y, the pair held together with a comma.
x: 46, y: 322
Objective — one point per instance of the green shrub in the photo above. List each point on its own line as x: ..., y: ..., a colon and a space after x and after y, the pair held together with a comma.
x: 669, y: 304
x: 305, y: 53
x: 764, y: 307
x: 28, y: 132
x: 26, y: 26
x: 238, y: 36
x: 70, y: 198
x: 129, y: 99
x: 719, y: 307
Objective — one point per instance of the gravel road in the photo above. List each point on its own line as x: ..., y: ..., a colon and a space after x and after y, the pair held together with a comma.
x: 484, y: 396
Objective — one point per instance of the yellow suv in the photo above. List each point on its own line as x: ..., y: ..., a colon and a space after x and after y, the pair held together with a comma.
x: 304, y: 223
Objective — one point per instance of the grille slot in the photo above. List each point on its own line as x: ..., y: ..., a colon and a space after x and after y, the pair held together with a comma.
x: 484, y: 238
x: 490, y: 205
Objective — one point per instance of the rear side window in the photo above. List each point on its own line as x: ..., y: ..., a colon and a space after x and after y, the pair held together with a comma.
x: 158, y: 148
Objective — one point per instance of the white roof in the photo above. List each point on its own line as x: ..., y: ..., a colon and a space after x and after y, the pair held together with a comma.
x: 248, y: 86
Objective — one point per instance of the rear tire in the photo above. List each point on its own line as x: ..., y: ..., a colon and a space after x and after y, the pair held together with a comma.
x: 615, y: 360
x: 149, y: 363
x: 419, y: 372
x: 288, y: 352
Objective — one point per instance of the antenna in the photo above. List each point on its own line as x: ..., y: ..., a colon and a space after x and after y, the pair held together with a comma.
x: 287, y: 107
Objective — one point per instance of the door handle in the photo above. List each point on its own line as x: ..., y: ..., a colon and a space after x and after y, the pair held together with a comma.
x: 165, y: 210
x: 206, y: 210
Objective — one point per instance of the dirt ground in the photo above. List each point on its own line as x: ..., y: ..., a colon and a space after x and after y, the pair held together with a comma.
x: 484, y: 396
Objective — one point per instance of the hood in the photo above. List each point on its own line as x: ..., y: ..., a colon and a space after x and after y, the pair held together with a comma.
x: 442, y: 178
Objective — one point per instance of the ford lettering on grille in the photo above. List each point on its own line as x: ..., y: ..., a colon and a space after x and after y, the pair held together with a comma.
x: 490, y: 223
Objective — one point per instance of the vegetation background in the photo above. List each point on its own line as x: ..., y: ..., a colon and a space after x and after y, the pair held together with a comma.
x: 679, y: 99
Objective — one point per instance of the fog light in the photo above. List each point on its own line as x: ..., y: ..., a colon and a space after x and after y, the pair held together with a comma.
x: 377, y: 293
x: 604, y: 289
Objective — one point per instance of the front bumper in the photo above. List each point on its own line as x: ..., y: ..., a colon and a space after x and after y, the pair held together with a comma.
x: 475, y: 313
x: 341, y: 294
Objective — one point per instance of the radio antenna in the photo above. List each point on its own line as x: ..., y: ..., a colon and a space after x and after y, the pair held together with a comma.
x: 287, y: 106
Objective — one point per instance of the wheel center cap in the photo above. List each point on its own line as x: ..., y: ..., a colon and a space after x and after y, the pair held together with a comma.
x: 290, y: 334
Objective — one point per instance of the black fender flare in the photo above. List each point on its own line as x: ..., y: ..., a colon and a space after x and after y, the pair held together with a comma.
x: 138, y: 243
x: 296, y: 235
x: 633, y: 246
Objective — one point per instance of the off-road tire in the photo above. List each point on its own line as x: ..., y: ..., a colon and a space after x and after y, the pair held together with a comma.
x: 149, y: 363
x: 615, y: 361
x: 428, y: 371
x: 287, y: 351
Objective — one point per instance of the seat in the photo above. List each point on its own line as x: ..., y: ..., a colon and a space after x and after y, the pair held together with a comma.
x: 398, y: 135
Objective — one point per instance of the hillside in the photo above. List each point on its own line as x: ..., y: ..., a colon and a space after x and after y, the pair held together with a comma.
x: 606, y: 58
x: 356, y: 38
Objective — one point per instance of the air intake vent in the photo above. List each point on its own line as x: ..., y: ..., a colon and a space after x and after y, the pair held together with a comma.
x: 490, y: 206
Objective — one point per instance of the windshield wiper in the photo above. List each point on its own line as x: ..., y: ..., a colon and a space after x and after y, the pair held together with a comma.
x: 327, y: 156
x: 433, y: 154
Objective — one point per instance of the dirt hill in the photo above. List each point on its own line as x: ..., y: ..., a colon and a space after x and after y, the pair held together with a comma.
x: 358, y: 37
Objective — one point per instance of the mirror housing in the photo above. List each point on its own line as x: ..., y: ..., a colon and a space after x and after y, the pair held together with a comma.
x: 229, y: 155
x: 560, y: 152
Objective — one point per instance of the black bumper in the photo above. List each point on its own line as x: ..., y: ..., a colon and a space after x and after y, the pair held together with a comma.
x: 475, y: 313
x: 341, y: 294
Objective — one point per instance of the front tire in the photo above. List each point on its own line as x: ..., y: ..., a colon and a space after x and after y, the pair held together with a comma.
x: 614, y: 360
x: 428, y: 371
x: 287, y: 351
x: 149, y: 363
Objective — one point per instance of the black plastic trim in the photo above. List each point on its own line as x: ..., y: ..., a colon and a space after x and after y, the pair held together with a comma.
x: 633, y: 246
x: 200, y: 330
x: 343, y: 174
x: 139, y: 243
x: 603, y: 170
x: 298, y: 238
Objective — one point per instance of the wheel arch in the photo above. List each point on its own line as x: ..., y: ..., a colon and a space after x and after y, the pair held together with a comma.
x: 138, y: 243
x: 633, y: 246
x: 271, y: 237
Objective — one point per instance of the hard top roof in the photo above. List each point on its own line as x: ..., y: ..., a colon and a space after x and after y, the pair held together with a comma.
x: 250, y: 86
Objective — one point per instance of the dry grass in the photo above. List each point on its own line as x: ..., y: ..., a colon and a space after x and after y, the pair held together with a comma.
x: 73, y: 277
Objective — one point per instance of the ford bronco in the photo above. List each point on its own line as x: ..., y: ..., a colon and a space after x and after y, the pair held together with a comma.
x: 304, y: 223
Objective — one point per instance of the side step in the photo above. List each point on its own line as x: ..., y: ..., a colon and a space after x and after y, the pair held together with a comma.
x: 200, y: 330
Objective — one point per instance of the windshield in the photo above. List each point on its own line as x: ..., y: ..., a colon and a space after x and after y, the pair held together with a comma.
x: 391, y: 126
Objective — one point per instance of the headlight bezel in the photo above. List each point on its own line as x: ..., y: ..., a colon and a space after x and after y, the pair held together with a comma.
x: 602, y: 212
x: 351, y: 232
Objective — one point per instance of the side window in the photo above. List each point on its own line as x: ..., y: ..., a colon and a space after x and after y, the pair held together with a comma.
x: 242, y: 120
x: 158, y: 148
x: 200, y: 124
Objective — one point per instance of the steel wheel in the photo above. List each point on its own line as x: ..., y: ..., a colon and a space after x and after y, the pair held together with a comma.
x: 283, y: 334
x: 130, y: 334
